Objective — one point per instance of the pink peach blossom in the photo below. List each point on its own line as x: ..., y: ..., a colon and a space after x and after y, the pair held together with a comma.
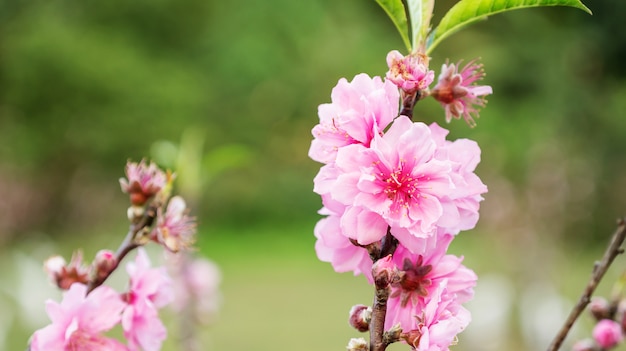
x: 422, y: 276
x: 79, y: 321
x: 455, y: 92
x: 397, y: 178
x: 360, y: 110
x: 143, y: 181
x: 175, y: 230
x: 150, y: 289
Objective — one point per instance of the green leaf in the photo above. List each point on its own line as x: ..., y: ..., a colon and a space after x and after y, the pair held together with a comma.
x: 395, y: 11
x: 420, y: 13
x: 469, y: 11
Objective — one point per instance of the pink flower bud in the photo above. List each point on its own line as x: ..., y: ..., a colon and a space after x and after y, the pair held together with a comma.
x: 384, y: 271
x: 607, y: 333
x: 410, y: 73
x: 104, y: 263
x: 360, y: 316
x: 599, y: 308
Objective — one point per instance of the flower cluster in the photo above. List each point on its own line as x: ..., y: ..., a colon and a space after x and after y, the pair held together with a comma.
x: 80, y: 320
x: 89, y: 308
x: 395, y: 193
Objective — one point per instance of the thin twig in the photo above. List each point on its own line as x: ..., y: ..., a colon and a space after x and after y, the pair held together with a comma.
x: 600, y: 268
x: 128, y: 245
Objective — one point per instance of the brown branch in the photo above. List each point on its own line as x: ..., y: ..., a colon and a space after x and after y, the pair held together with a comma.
x: 599, y: 269
x: 379, y: 311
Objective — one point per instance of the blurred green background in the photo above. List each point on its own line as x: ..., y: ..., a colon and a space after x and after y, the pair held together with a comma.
x: 226, y: 94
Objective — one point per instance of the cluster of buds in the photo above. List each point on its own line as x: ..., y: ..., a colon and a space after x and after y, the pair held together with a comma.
x: 610, y: 325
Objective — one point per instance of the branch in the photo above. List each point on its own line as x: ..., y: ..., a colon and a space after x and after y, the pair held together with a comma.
x: 599, y: 269
x: 129, y: 244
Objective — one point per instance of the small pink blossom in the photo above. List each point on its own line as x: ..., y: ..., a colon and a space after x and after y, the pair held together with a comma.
x: 607, y: 333
x: 359, y: 110
x: 410, y: 73
x: 456, y: 93
x: 174, y: 229
x: 79, y: 321
x: 143, y: 181
x: 436, y: 323
x: 422, y: 275
x: 150, y: 289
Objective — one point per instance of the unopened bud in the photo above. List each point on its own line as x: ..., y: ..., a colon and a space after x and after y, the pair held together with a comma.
x: 600, y: 308
x: 393, y: 334
x: 104, y: 263
x: 607, y: 333
x: 360, y: 317
x: 357, y: 344
x: 384, y: 271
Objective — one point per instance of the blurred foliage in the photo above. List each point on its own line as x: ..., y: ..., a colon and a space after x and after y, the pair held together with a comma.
x: 86, y: 85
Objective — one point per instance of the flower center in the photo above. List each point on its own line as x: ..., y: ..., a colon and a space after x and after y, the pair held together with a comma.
x: 400, y: 186
x: 414, y: 283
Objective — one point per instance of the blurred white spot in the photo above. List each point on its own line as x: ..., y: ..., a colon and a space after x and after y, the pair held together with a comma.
x: 491, y: 310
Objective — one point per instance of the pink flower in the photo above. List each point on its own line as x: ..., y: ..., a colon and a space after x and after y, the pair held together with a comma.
x: 607, y: 333
x: 436, y: 324
x: 359, y: 110
x: 397, y: 181
x: 334, y: 246
x: 174, y: 229
x: 143, y: 182
x: 410, y: 73
x: 456, y: 93
x: 79, y: 321
x: 422, y: 276
x: 150, y: 289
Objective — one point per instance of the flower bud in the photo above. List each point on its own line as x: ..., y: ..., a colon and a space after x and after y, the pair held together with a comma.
x: 600, y: 308
x: 104, y: 263
x: 360, y: 316
x: 607, y: 333
x: 357, y: 344
x: 384, y: 271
